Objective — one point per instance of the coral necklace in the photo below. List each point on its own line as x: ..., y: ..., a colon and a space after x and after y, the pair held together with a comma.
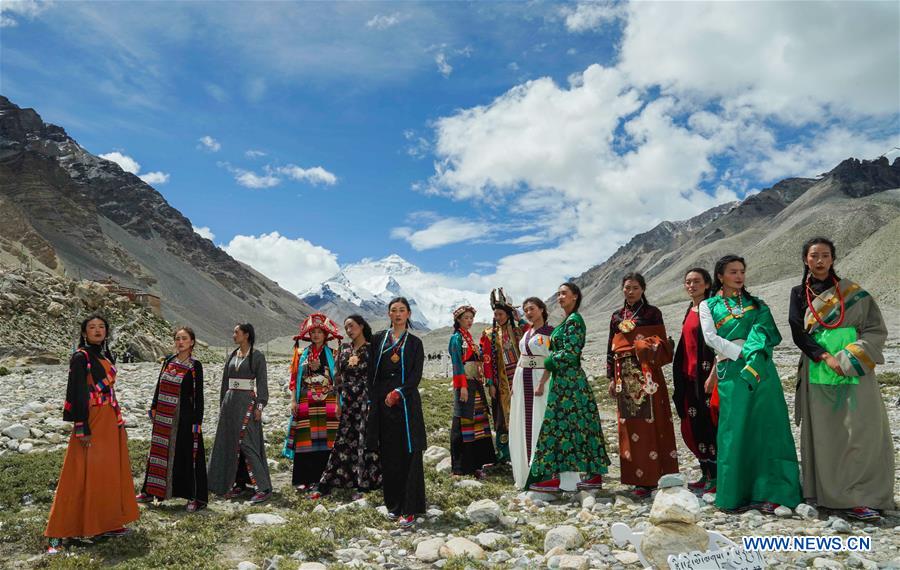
x: 809, y: 303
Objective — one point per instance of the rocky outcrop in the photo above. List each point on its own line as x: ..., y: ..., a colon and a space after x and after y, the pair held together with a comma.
x: 78, y: 215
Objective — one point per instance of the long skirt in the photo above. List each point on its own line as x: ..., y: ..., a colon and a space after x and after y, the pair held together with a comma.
x: 646, y: 436
x: 308, y: 467
x: 95, y: 493
x: 698, y: 429
x: 239, y: 453
x: 525, y: 419
x: 402, y: 471
x: 471, y: 447
x: 350, y: 465
x: 844, y: 426
x: 188, y: 466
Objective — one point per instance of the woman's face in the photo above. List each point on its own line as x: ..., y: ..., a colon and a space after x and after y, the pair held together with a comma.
x: 466, y: 319
x: 352, y: 329
x: 532, y: 313
x: 317, y: 336
x: 695, y: 285
x: 819, y: 260
x: 398, y: 314
x: 632, y: 291
x: 95, y: 331
x: 566, y: 299
x: 501, y: 317
x: 733, y: 275
x: 239, y: 336
x: 183, y: 342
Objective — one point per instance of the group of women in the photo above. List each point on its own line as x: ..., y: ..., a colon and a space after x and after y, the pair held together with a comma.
x: 520, y: 396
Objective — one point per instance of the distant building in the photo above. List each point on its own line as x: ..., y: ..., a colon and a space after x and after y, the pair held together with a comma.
x: 136, y: 296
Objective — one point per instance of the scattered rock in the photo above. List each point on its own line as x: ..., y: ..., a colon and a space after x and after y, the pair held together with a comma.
x: 16, y: 431
x: 783, y: 512
x: 675, y: 504
x: 350, y: 554
x: 538, y: 496
x: 469, y: 484
x: 444, y: 465
x: 429, y: 550
x: 820, y: 562
x: 841, y: 526
x: 245, y: 565
x: 661, y: 540
x: 461, y: 547
x: 320, y: 509
x: 435, y: 454
x: 25, y: 448
x: 670, y: 480
x: 490, y: 540
x: 857, y: 561
x: 566, y: 536
x: 484, y: 511
x: 626, y: 557
x: 807, y: 511
x: 572, y: 562
x: 265, y: 518
x: 312, y: 566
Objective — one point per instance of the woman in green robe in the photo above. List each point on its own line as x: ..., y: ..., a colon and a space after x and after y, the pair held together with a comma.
x: 571, y: 440
x: 757, y: 462
x: 843, y: 422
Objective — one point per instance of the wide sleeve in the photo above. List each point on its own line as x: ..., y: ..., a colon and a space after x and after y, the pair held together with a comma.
x: 761, y: 341
x: 729, y: 350
x: 414, y: 372
x: 655, y: 350
x: 860, y: 358
x: 796, y: 317
x: 568, y: 354
x: 610, y: 357
x: 77, y: 406
x: 488, y: 358
x: 262, y: 380
x: 456, y: 360
x: 198, y: 394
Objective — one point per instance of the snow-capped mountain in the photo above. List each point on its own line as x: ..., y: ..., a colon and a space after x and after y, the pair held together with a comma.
x: 366, y: 288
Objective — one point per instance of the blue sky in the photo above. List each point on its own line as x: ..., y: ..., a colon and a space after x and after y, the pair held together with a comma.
x: 493, y: 143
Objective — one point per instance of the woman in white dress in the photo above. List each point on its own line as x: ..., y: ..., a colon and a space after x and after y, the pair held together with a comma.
x: 529, y: 390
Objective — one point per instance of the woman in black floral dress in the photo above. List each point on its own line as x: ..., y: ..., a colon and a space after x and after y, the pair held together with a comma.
x: 350, y: 465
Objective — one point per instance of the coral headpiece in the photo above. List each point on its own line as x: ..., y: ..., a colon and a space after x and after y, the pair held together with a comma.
x: 321, y: 322
x: 462, y: 309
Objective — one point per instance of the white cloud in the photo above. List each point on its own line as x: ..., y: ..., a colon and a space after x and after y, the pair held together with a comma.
x: 132, y: 166
x: 314, y: 175
x: 10, y: 10
x: 382, y: 22
x: 417, y: 146
x: 588, y: 16
x: 795, y: 60
x: 216, y: 92
x: 295, y: 264
x: 209, y: 143
x: 250, y: 179
x: 443, y: 65
x: 253, y: 153
x: 155, y: 177
x: 125, y: 162
x: 440, y: 233
x: 205, y: 232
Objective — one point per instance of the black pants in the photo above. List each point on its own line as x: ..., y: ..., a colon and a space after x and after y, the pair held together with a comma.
x: 403, y: 481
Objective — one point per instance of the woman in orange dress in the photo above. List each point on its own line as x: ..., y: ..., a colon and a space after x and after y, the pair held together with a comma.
x: 95, y: 494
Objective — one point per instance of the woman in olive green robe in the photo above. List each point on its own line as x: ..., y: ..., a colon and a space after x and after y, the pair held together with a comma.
x: 757, y: 462
x: 845, y: 435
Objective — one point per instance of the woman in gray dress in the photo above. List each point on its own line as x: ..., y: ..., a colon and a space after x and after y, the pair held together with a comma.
x: 239, y: 453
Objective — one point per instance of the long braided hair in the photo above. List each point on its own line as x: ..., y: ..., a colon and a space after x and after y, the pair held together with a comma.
x: 248, y: 330
x: 720, y: 270
x: 635, y: 276
x: 509, y: 320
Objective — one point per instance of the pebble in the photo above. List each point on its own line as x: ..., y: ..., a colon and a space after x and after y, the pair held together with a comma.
x: 625, y: 557
x: 25, y: 448
x: 245, y: 565
x: 265, y: 519
x: 567, y: 536
x: 807, y: 511
x: 841, y: 526
x: 783, y: 512
x: 429, y: 550
x: 462, y: 547
x: 484, y: 511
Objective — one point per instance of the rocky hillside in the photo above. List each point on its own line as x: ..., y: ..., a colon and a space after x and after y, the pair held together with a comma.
x: 857, y: 205
x: 40, y: 313
x: 72, y: 213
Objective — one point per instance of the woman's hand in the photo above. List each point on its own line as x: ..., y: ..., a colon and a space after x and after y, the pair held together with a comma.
x: 294, y: 406
x: 257, y: 415
x: 85, y: 441
x: 612, y: 389
x: 540, y: 389
x: 463, y: 394
x: 833, y: 363
x: 711, y: 381
x: 493, y: 391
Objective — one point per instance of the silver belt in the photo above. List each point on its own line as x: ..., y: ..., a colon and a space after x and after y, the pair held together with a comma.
x: 526, y: 361
x: 242, y: 384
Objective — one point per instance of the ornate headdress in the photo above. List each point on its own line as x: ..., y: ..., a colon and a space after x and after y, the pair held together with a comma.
x: 500, y: 300
x: 321, y: 322
x: 462, y: 309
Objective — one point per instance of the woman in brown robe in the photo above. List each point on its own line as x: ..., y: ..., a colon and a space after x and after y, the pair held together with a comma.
x: 95, y: 494
x: 638, y: 348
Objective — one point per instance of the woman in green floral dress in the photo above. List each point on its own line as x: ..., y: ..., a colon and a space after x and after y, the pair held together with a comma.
x: 571, y: 440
